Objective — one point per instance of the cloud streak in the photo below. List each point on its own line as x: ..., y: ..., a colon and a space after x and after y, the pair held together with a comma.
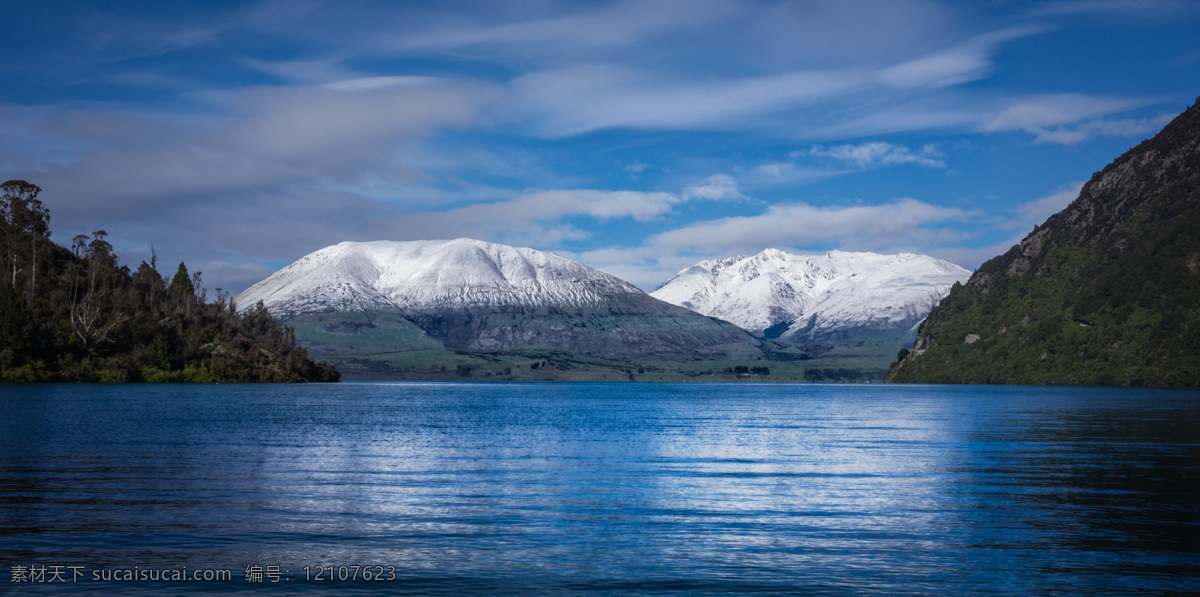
x: 879, y: 153
x: 270, y: 138
x: 582, y: 98
x: 1049, y: 117
x: 799, y: 224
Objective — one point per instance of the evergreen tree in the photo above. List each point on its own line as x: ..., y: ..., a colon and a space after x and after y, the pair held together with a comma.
x: 182, y: 283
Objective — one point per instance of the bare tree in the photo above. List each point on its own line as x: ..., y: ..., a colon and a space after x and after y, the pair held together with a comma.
x: 93, y: 314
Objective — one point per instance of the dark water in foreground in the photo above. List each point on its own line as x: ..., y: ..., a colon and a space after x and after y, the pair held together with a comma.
x: 588, y: 489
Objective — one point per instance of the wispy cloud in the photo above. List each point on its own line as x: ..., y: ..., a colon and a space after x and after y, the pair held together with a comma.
x: 820, y: 162
x: 719, y: 187
x: 1049, y: 117
x: 800, y: 224
x: 273, y: 137
x: 963, y: 63
x: 879, y: 153
x: 1125, y: 127
x: 582, y: 98
x: 554, y: 29
x: 635, y: 167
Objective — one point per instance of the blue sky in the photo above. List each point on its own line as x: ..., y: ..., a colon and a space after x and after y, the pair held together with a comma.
x: 638, y: 137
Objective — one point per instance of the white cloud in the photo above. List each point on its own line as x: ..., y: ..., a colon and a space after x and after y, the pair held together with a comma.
x: 944, y: 111
x: 645, y: 267
x: 618, y: 24
x: 488, y: 220
x: 556, y: 204
x: 535, y: 215
x: 963, y: 63
x: 1127, y: 127
x: 271, y: 138
x: 635, y: 167
x: 879, y: 153
x: 1048, y: 116
x: 800, y: 224
x: 582, y: 98
x: 790, y: 173
x: 843, y: 159
x: 719, y: 187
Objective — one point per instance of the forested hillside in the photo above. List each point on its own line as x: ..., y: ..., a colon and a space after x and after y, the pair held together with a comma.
x: 1105, y: 292
x: 77, y: 314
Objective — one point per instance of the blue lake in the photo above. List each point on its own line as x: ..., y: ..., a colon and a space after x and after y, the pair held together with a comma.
x: 600, y: 489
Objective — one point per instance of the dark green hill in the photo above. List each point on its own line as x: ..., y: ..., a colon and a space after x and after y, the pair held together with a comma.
x: 79, y: 315
x: 1105, y: 292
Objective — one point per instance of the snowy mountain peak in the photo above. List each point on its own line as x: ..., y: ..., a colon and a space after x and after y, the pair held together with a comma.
x: 390, y: 275
x: 816, y: 298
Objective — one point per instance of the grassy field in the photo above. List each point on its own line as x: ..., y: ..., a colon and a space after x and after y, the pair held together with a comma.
x: 863, y: 362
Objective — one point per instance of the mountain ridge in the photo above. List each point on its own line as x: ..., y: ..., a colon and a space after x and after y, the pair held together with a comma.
x: 835, y: 297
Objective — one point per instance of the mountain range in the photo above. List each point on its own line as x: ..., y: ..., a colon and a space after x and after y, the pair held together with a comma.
x: 470, y: 295
x: 833, y: 298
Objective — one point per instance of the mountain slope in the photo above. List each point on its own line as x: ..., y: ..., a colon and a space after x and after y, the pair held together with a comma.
x: 469, y: 295
x: 1104, y: 292
x: 837, y: 297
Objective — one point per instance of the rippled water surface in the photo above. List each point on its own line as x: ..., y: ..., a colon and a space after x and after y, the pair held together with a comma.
x: 591, y: 489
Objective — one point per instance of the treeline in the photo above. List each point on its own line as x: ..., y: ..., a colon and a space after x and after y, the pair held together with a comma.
x: 77, y: 314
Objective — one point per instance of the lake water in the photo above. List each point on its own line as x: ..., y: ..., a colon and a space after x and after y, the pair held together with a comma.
x: 599, y: 489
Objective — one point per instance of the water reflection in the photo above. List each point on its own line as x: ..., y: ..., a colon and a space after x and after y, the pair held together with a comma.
x: 1097, y: 489
x: 616, y: 488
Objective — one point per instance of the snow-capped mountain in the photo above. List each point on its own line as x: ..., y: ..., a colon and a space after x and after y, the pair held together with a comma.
x: 830, y: 298
x: 470, y: 295
x: 460, y: 273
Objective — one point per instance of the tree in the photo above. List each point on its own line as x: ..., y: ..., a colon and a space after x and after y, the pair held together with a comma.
x: 75, y: 314
x: 182, y: 283
x: 93, y: 312
x: 16, y: 327
x: 24, y: 229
